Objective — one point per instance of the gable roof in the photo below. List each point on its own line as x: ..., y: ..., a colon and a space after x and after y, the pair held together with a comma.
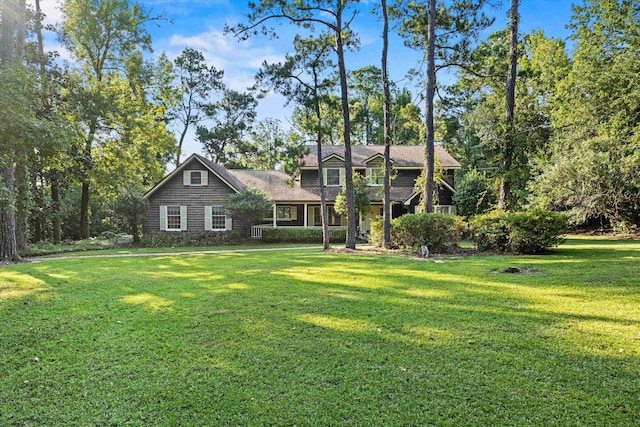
x: 402, y: 155
x: 218, y: 170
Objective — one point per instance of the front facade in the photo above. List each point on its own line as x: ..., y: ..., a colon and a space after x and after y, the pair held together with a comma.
x: 191, y: 197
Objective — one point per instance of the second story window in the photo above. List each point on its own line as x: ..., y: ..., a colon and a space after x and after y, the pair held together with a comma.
x: 196, y: 178
x: 333, y: 177
x: 376, y: 176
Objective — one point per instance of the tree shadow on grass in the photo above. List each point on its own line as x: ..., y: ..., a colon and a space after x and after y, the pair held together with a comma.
x: 253, y: 340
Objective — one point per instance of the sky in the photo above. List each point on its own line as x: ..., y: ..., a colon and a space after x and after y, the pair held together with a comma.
x: 199, y: 24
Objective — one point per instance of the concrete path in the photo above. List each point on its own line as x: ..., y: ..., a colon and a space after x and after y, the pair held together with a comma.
x: 219, y: 251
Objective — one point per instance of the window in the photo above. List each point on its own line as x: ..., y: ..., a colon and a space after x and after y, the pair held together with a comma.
x: 196, y: 178
x: 174, y: 218
x: 333, y: 218
x: 333, y: 177
x: 376, y: 176
x: 216, y: 219
x: 287, y: 213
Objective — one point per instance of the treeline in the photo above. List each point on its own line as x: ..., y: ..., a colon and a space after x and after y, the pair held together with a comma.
x: 75, y: 134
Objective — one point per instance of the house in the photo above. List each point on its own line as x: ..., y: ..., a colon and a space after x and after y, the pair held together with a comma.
x: 192, y: 197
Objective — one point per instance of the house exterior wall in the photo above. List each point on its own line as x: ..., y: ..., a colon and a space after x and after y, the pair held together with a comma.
x: 195, y: 198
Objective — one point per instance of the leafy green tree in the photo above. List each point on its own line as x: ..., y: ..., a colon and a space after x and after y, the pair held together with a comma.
x: 473, y: 194
x: 233, y: 118
x: 288, y: 78
x: 105, y: 39
x: 130, y: 208
x: 197, y: 83
x: 363, y: 204
x: 250, y: 204
x: 592, y: 169
x: 308, y: 15
x: 445, y: 32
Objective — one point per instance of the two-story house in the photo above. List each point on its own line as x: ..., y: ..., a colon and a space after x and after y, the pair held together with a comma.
x: 192, y: 197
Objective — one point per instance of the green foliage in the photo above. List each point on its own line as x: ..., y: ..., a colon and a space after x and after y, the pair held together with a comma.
x: 323, y: 338
x: 250, y: 204
x: 531, y: 232
x: 163, y: 239
x: 473, y: 194
x: 301, y: 235
x: 129, y: 209
x: 439, y: 232
x: 361, y: 196
x: 592, y: 168
x: 233, y: 118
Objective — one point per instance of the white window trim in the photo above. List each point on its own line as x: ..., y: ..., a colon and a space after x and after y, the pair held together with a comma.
x: 208, y: 220
x: 164, y: 226
x: 186, y: 178
x: 370, y: 177
x: 341, y: 179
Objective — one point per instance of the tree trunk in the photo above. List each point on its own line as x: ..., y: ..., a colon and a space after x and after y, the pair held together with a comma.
x: 84, y: 210
x: 21, y: 204
x: 352, y: 218
x: 504, y: 201
x: 87, y: 166
x: 429, y: 160
x: 386, y: 209
x: 320, y: 137
x: 55, y: 206
x: 9, y: 248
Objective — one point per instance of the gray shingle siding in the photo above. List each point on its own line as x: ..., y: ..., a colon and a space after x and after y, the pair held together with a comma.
x: 175, y: 193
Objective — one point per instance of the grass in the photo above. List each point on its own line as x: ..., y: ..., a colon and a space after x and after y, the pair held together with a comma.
x: 312, y: 338
x: 145, y: 250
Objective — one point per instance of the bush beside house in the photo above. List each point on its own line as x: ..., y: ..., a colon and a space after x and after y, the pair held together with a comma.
x: 439, y: 232
x: 301, y: 235
x: 531, y: 232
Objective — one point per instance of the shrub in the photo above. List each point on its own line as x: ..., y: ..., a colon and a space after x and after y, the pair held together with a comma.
x: 531, y: 232
x: 301, y: 235
x: 438, y: 232
x: 473, y: 194
x: 163, y: 239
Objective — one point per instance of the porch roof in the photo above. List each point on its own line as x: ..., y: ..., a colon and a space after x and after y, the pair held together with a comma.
x: 275, y: 184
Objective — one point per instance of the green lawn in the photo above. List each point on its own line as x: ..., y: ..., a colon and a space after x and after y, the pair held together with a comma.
x: 311, y: 338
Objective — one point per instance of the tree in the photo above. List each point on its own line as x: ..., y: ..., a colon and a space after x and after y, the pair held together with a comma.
x: 233, y: 115
x: 591, y: 171
x: 197, y: 82
x: 473, y: 194
x: 450, y: 27
x: 16, y: 120
x: 250, y: 205
x: 507, y: 148
x: 288, y: 78
x: 331, y: 16
x: 102, y: 37
x: 130, y: 209
x: 386, y: 209
x: 361, y: 197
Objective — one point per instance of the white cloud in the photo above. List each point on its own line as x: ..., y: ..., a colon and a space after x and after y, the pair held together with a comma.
x: 240, y: 60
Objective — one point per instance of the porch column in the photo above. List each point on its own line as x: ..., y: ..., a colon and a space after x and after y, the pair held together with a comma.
x: 306, y: 216
x: 275, y: 216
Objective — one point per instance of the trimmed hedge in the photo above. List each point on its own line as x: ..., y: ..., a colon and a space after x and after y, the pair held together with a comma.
x: 163, y: 239
x: 531, y: 232
x: 301, y: 235
x: 439, y: 232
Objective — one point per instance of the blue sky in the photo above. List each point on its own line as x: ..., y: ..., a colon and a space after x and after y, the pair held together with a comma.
x: 199, y: 24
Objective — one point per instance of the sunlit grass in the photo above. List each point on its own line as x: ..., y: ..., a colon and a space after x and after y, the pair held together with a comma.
x: 310, y: 338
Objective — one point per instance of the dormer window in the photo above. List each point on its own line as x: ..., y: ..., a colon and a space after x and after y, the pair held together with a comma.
x: 333, y: 177
x: 195, y: 178
x: 376, y: 176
